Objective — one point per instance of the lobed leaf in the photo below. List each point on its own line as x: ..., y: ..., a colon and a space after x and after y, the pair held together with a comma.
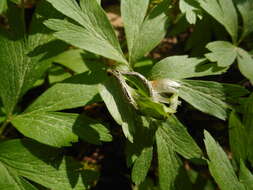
x: 245, y: 9
x: 168, y: 162
x: 93, y: 33
x: 225, y: 13
x: 181, y: 141
x: 144, y: 32
x: 210, y: 97
x: 191, y: 10
x: 227, y: 179
x: 180, y: 67
x: 23, y: 58
x: 222, y: 52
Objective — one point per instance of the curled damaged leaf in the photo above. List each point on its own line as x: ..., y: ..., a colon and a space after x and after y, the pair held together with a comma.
x: 147, y: 97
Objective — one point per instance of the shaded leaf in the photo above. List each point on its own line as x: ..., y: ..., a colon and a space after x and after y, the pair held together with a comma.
x: 248, y: 123
x: 237, y: 138
x: 142, y: 165
x: 91, y: 130
x: 44, y: 165
x: 10, y: 181
x: 245, y: 9
x: 73, y: 60
x: 225, y: 13
x: 23, y: 58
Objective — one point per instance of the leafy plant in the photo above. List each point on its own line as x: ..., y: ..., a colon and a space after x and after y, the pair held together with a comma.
x: 144, y: 99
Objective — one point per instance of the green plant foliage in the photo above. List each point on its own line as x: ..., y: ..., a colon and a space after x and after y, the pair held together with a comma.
x: 226, y: 179
x: 33, y: 161
x: 238, y: 138
x: 191, y: 9
x: 85, y: 89
x: 224, y: 12
x: 180, y: 67
x: 245, y: 8
x: 143, y: 32
x: 95, y: 33
x: 246, y: 176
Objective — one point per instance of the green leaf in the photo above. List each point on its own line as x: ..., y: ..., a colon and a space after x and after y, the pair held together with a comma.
x: 94, y: 34
x: 222, y: 52
x: 168, y: 162
x: 43, y: 165
x: 225, y: 13
x: 220, y: 167
x: 10, y: 181
x: 3, y: 6
x: 225, y: 53
x: 210, y: 97
x: 191, y: 10
x: 149, y: 108
x: 64, y: 96
x: 201, y: 35
x: 119, y: 106
x: 179, y: 138
x: 91, y: 130
x: 56, y: 74
x: 246, y: 176
x: 180, y: 67
x: 50, y: 128
x: 22, y: 60
x: 18, y: 72
x: 133, y: 13
x: 142, y: 165
x: 16, y: 1
x: 245, y: 64
x: 143, y: 32
x: 237, y: 138
x: 143, y: 140
x: 72, y: 59
x: 245, y: 9
x: 248, y: 123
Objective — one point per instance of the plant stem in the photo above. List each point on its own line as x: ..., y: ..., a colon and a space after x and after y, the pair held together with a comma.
x: 22, y: 4
x: 3, y: 127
